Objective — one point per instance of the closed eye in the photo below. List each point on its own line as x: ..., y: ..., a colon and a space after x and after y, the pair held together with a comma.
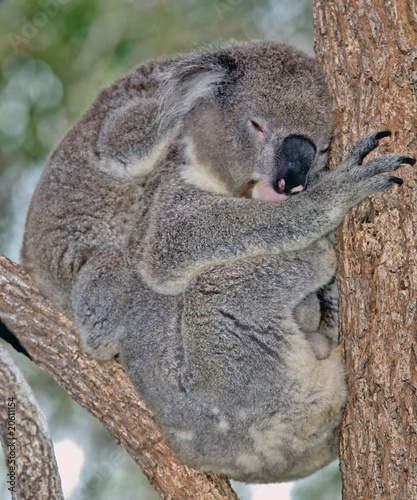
x: 325, y: 150
x: 259, y: 130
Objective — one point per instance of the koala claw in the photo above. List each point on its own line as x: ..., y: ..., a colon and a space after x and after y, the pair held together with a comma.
x: 396, y: 180
x: 364, y: 146
x: 382, y: 134
x: 386, y: 163
x: 409, y: 160
x: 367, y: 144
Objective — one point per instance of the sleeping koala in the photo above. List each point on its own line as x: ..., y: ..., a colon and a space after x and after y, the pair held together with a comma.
x: 185, y: 223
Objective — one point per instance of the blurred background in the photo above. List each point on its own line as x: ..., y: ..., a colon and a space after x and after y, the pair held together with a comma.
x: 54, y: 57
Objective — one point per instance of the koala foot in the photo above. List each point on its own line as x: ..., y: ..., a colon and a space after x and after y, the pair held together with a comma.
x: 320, y: 344
x: 99, y: 302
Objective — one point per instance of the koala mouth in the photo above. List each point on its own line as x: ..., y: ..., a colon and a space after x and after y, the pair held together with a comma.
x: 262, y: 191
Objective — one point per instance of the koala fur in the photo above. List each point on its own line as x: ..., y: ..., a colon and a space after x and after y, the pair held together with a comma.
x: 185, y: 223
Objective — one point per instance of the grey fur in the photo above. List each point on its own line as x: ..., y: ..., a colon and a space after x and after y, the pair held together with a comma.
x: 145, y: 229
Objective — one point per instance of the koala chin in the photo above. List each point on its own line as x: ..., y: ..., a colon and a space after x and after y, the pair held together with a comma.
x: 185, y: 223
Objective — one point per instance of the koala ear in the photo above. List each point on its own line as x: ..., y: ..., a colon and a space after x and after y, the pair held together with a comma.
x: 190, y: 79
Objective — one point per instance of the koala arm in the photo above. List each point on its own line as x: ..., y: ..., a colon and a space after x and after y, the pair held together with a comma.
x: 187, y: 230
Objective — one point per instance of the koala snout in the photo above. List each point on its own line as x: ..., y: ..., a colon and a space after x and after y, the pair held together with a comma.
x: 294, y: 160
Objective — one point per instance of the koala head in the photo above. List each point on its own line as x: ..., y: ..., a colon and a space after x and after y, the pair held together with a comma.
x: 256, y: 118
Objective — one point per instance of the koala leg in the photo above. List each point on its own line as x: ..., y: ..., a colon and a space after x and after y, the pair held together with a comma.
x: 316, y: 315
x: 258, y: 296
x: 99, y: 299
x: 307, y: 313
x: 263, y: 393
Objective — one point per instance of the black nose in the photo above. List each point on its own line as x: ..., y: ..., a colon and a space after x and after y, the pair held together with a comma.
x: 293, y: 161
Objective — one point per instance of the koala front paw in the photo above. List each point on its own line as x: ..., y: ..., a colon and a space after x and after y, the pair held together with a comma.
x: 99, y: 301
x: 361, y: 180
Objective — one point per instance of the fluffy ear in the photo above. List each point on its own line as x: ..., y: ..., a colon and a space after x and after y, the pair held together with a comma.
x: 190, y: 79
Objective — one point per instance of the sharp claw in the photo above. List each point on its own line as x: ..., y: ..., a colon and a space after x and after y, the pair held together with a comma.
x: 396, y: 180
x: 408, y: 159
x: 383, y: 133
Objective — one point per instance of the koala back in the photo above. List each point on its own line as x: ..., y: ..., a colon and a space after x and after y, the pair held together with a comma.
x: 89, y: 193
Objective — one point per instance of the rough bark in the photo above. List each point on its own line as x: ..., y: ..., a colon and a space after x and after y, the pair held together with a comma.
x: 30, y: 460
x: 368, y: 52
x: 100, y: 387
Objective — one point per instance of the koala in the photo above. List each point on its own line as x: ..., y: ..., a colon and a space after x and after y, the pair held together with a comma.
x: 185, y: 223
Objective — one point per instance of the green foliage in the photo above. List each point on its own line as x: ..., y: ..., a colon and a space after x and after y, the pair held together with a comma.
x: 78, y: 46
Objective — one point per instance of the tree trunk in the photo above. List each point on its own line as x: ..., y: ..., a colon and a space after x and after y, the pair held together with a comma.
x: 102, y: 388
x: 368, y: 53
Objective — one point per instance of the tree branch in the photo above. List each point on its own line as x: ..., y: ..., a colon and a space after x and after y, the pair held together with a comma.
x: 101, y: 387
